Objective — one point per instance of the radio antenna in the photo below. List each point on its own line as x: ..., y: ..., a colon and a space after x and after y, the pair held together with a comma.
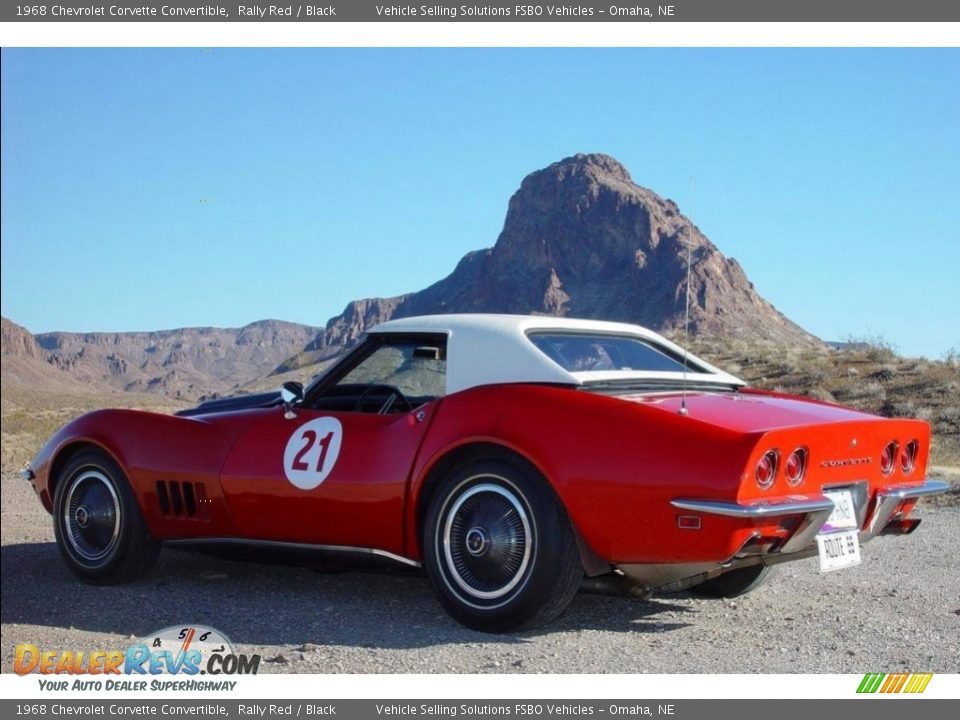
x: 686, y: 313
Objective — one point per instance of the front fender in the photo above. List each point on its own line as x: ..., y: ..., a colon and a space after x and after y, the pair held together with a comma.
x: 149, y: 447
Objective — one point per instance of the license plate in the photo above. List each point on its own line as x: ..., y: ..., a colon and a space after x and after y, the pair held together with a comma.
x: 838, y: 550
x: 844, y: 515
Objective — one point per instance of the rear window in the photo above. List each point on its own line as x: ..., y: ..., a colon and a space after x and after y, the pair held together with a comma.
x: 585, y: 352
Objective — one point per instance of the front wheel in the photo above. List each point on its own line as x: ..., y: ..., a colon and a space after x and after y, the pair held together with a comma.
x: 499, y: 549
x: 97, y: 522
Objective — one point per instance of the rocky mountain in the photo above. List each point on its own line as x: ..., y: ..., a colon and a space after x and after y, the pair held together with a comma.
x: 17, y: 342
x: 24, y: 362
x: 581, y: 239
x: 186, y: 363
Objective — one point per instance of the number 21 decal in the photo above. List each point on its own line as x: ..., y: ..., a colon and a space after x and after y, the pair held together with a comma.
x: 312, y: 451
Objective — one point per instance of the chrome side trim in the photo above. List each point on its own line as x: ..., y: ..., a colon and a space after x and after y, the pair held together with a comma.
x: 770, y: 508
x: 279, y: 544
x: 889, y: 499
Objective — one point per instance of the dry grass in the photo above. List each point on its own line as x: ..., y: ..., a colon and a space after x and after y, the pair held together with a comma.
x: 31, y: 416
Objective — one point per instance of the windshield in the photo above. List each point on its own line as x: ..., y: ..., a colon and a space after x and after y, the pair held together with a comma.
x: 589, y: 352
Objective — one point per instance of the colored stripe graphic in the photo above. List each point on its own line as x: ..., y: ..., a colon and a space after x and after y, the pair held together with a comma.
x: 865, y: 682
x: 894, y: 683
x: 871, y: 682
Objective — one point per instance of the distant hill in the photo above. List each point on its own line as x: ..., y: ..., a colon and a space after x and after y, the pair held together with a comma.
x: 24, y: 362
x: 581, y: 239
x: 185, y: 363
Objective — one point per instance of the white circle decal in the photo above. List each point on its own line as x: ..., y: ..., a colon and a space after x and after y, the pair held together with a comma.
x: 312, y: 451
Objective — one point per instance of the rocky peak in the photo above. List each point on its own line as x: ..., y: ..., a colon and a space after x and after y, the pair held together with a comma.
x: 581, y: 239
x: 16, y: 341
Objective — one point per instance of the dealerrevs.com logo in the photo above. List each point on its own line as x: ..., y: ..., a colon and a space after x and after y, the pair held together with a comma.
x: 189, y: 650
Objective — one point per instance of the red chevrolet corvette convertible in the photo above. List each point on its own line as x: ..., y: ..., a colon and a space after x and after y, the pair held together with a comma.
x: 509, y: 456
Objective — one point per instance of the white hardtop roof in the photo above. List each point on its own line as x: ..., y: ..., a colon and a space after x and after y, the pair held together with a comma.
x: 494, y: 349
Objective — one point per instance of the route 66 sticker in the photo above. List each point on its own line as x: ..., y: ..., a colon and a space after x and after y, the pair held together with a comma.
x: 312, y: 452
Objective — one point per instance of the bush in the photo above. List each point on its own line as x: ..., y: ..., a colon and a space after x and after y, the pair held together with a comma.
x: 874, y: 390
x: 886, y: 373
x: 901, y: 409
x: 876, y: 347
x: 821, y: 394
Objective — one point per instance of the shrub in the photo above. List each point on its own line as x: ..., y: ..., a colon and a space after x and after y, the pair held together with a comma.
x: 821, y: 394
x: 902, y: 408
x: 876, y: 347
x: 873, y: 390
x: 886, y: 373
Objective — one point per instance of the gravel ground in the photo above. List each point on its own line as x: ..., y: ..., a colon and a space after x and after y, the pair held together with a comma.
x: 899, y: 610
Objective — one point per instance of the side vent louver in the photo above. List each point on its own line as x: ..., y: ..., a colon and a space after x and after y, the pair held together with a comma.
x: 183, y: 500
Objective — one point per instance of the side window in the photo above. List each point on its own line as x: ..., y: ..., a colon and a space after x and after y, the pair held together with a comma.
x: 396, y: 377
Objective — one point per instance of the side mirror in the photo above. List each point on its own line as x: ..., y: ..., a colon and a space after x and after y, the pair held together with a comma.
x: 291, y: 393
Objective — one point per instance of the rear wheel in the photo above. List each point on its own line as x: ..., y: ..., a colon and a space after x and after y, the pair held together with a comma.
x: 499, y: 549
x: 97, y: 522
x: 734, y: 583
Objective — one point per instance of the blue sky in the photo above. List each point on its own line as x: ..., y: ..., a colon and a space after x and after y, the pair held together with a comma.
x: 146, y: 189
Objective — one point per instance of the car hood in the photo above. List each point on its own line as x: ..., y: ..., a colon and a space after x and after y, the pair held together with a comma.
x: 233, y: 404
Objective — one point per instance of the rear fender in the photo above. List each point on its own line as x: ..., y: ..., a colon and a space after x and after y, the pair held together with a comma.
x: 615, y: 472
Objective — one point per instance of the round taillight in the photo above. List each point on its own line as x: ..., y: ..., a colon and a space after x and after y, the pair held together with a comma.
x: 888, y: 457
x: 795, y: 466
x: 908, y: 456
x: 767, y: 469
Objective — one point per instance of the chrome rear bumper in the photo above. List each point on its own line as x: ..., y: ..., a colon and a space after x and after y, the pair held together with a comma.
x: 874, y: 518
x: 890, y: 498
x: 815, y: 509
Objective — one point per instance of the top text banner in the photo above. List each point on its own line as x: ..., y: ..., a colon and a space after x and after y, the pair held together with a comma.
x: 495, y: 11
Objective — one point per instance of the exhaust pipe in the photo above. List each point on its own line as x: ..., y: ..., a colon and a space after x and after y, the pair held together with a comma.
x: 901, y: 527
x: 615, y: 585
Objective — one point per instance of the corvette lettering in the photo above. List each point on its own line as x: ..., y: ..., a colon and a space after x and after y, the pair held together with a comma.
x: 844, y: 462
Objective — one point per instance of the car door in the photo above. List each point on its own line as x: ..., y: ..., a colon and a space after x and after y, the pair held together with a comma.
x: 335, y: 473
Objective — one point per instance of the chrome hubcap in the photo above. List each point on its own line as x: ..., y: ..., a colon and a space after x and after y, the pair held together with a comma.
x: 487, y: 541
x: 478, y: 540
x: 91, y: 516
